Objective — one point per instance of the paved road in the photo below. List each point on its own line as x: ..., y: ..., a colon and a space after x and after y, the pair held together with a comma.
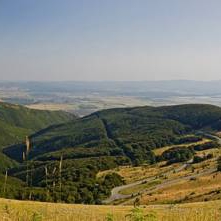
x: 210, y: 136
x: 169, y: 183
x: 115, y: 195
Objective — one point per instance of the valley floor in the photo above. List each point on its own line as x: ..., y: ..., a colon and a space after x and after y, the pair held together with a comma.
x: 35, y: 211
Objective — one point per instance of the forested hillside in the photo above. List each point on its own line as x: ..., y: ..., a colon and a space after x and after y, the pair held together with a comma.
x: 16, y: 122
x: 131, y: 132
x: 104, y: 140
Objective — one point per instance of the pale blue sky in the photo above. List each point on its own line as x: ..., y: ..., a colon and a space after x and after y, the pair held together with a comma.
x: 110, y: 39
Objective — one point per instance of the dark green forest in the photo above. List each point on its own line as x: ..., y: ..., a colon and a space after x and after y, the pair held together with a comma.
x: 64, y: 158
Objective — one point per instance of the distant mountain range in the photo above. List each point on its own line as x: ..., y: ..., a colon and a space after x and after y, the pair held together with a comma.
x: 136, y: 88
x: 83, y: 98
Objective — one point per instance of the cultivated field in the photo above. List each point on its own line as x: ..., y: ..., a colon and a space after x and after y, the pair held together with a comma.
x: 84, y: 105
x: 12, y: 210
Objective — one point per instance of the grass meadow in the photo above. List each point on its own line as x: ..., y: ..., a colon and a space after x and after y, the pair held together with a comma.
x: 12, y: 210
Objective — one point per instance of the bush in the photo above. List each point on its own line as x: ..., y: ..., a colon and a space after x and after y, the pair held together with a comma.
x: 177, y: 154
x: 205, y: 146
x: 219, y: 165
x: 198, y: 159
x: 137, y: 214
x: 109, y: 217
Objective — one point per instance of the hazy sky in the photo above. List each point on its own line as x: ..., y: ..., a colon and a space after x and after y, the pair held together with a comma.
x: 110, y: 39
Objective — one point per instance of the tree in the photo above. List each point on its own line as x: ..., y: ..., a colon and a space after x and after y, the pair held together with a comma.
x: 219, y: 165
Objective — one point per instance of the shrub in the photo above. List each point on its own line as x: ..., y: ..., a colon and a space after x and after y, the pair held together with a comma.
x: 219, y: 165
x: 137, y: 214
x: 36, y: 217
x: 109, y: 217
x: 197, y: 159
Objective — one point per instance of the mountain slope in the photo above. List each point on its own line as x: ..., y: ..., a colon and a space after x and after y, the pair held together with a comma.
x: 128, y: 131
x: 17, y: 121
x: 104, y: 140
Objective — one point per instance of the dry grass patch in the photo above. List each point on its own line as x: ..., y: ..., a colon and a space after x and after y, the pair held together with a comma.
x: 159, y: 151
x: 52, y: 106
x: 12, y: 210
x: 133, y: 174
x: 187, y: 190
x: 214, y: 151
x: 140, y: 187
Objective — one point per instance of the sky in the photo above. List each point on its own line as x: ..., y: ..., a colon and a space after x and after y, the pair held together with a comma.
x: 116, y: 40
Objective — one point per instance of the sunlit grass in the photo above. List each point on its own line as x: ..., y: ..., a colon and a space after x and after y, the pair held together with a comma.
x: 159, y: 151
x: 132, y: 174
x: 25, y: 211
x: 140, y: 187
